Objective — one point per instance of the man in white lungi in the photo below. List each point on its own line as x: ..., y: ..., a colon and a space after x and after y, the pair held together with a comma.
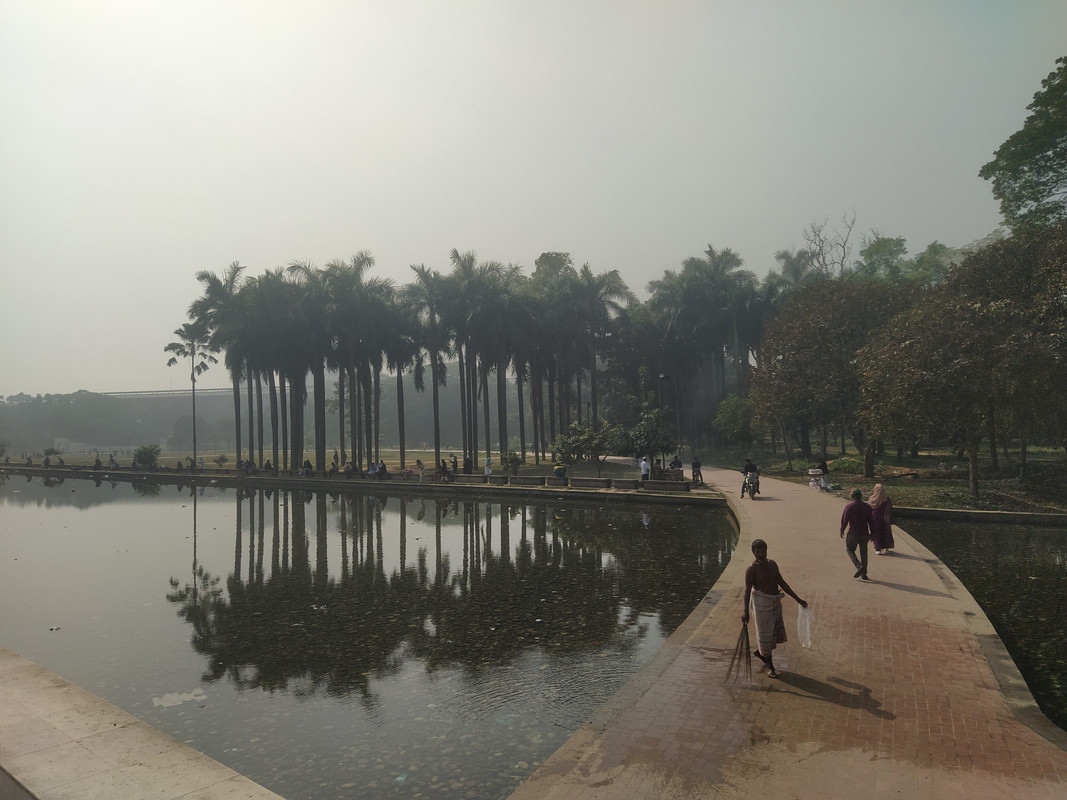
x: 766, y: 587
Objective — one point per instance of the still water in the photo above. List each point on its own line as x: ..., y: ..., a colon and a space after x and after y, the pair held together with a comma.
x: 331, y: 646
x: 1017, y: 574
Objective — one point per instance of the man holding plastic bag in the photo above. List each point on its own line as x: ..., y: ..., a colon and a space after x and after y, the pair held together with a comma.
x: 765, y: 587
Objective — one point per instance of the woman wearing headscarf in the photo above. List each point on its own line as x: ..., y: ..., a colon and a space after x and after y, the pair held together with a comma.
x: 882, y: 528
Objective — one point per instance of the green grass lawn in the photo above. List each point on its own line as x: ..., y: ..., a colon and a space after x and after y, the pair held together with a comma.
x: 920, y: 482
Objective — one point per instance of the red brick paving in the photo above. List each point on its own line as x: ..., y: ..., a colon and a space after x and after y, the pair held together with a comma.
x: 905, y: 692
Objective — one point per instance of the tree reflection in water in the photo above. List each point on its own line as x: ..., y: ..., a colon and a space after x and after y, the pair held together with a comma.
x: 560, y: 580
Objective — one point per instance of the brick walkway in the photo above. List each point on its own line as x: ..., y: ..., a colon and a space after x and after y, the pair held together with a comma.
x: 907, y: 692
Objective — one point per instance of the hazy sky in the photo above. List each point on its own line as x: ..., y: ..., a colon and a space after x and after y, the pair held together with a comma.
x: 143, y: 141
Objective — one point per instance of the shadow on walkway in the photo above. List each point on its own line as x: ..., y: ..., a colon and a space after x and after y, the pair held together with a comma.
x: 860, y: 696
x: 913, y: 589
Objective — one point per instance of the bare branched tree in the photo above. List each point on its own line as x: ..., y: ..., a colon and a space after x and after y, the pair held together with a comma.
x: 831, y: 252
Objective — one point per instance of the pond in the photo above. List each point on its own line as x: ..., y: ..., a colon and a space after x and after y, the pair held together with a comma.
x: 1017, y: 574
x: 349, y: 645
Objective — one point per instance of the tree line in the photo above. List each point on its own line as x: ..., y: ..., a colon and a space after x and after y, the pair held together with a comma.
x: 582, y: 352
x: 963, y: 346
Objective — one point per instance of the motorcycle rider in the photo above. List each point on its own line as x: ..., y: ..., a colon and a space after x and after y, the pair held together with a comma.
x: 746, y: 470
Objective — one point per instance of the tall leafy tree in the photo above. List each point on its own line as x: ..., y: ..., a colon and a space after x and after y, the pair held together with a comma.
x: 982, y: 350
x: 1029, y: 170
x: 193, y: 343
x: 806, y: 375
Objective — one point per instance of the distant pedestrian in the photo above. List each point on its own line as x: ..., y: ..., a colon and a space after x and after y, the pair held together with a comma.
x: 488, y: 465
x: 882, y: 526
x: 857, y: 517
x: 765, y: 587
x: 644, y: 468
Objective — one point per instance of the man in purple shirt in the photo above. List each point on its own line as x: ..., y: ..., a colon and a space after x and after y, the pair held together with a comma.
x: 858, y: 518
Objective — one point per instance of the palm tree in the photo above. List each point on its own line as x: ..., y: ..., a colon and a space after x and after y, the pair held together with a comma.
x: 467, y: 289
x: 401, y: 352
x: 358, y: 315
x: 554, y: 280
x: 425, y: 297
x: 219, y: 310
x: 313, y: 346
x: 270, y: 299
x: 697, y: 306
x: 599, y: 300
x: 193, y: 343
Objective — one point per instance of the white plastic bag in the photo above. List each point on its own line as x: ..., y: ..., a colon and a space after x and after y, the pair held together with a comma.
x: 804, y: 620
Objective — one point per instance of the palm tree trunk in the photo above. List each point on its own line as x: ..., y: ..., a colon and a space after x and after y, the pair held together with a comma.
x: 251, y: 415
x: 537, y: 411
x: 551, y: 401
x: 272, y: 397
x: 357, y: 416
x: 485, y: 407
x: 318, y: 378
x: 296, y: 428
x: 400, y: 413
x: 462, y: 378
x: 236, y: 378
x: 435, y: 377
x: 502, y: 402
x: 259, y: 415
x: 193, y: 375
x: 522, y: 414
x: 377, y: 414
x: 593, y: 398
x: 578, y: 392
x: 368, y: 442
x: 472, y: 400
x: 341, y: 412
x: 284, y: 413
x: 353, y: 406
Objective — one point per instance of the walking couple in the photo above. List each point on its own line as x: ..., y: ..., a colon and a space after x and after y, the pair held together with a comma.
x: 867, y: 522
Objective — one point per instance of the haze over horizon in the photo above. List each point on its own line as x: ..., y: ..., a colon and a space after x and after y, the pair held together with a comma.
x: 145, y: 142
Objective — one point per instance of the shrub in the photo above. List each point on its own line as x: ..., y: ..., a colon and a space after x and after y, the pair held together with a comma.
x: 511, y: 461
x: 146, y: 455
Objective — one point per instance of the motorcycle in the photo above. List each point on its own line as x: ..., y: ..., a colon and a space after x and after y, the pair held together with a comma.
x: 750, y: 485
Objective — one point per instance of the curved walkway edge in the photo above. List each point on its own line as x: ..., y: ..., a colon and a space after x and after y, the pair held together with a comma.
x: 906, y: 692
x: 59, y: 742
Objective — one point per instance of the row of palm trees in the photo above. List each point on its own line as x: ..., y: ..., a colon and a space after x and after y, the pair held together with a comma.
x: 555, y: 334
